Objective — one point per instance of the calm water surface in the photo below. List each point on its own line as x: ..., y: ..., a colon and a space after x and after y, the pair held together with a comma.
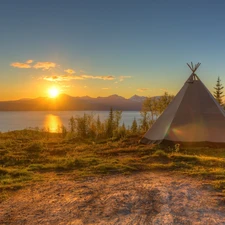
x: 53, y: 120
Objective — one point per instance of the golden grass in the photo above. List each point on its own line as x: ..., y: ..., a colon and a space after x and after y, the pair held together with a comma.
x: 27, y: 156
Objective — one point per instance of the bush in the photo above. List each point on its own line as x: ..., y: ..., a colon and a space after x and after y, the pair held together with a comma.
x: 34, y: 148
x: 160, y: 153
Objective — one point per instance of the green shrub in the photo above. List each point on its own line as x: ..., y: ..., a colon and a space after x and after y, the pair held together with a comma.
x: 106, y: 168
x: 35, y: 148
x: 160, y: 153
x: 35, y: 167
x: 185, y: 158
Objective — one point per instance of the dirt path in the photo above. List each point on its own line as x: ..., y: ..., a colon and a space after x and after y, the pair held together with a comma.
x: 144, y: 198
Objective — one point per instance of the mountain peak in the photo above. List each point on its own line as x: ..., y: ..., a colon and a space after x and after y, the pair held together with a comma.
x: 137, y: 98
x: 86, y: 97
x: 115, y: 96
x: 67, y: 102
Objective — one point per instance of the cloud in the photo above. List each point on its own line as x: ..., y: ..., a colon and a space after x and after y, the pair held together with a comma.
x: 29, y: 61
x: 62, y: 78
x: 51, y: 78
x: 105, y: 88
x: 68, y: 77
x: 163, y: 89
x: 98, y: 77
x: 69, y: 71
x: 142, y: 89
x: 44, y: 65
x: 20, y: 65
x: 121, y: 78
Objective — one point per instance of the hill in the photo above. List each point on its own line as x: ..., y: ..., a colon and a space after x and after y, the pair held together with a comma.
x: 69, y: 181
x: 65, y: 102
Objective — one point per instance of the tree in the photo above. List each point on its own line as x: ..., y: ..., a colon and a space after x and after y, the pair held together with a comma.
x: 218, y: 93
x: 144, y: 121
x: 164, y: 101
x: 154, y: 106
x: 134, y: 127
x: 72, y: 124
x: 101, y: 128
x: 82, y: 126
x: 117, y: 117
x: 150, y: 106
x: 122, y: 131
x: 98, y: 126
x: 110, y: 124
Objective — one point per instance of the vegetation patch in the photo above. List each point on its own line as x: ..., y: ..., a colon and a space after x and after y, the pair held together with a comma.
x: 185, y: 158
x: 29, y: 156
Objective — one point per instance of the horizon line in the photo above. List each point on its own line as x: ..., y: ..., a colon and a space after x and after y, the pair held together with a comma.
x: 28, y: 98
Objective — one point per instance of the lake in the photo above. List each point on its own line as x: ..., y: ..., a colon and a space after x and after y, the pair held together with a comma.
x: 53, y: 120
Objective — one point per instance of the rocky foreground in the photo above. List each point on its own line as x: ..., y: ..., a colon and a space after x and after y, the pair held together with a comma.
x: 142, y: 198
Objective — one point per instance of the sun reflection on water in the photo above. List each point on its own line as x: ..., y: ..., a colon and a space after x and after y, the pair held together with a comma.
x: 52, y: 123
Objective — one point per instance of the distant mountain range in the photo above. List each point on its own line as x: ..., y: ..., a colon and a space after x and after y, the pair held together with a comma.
x: 65, y: 102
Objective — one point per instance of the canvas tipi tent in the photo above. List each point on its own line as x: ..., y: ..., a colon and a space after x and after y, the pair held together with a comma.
x: 193, y: 117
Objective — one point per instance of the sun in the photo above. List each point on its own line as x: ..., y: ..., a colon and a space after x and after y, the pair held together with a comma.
x: 53, y: 92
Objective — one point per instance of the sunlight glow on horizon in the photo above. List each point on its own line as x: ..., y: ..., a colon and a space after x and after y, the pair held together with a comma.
x: 53, y: 92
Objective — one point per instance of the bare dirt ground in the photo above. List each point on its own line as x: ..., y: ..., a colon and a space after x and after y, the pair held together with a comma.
x: 142, y: 198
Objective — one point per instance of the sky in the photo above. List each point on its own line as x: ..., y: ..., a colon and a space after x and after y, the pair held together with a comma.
x: 104, y: 47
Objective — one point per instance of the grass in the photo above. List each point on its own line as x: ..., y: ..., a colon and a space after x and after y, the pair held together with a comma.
x: 30, y: 156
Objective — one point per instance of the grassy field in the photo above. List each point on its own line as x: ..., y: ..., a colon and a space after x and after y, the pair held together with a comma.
x: 32, y: 156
